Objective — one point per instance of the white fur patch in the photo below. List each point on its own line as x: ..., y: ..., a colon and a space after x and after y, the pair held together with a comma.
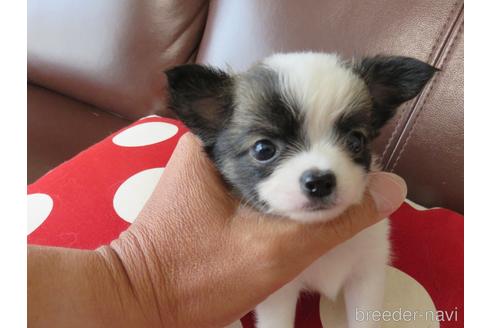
x: 321, y: 84
x: 282, y: 189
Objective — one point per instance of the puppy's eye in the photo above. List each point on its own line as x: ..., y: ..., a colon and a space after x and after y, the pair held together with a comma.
x: 263, y: 150
x: 356, y: 142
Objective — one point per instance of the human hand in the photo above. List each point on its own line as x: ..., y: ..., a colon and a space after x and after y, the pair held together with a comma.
x: 195, y: 257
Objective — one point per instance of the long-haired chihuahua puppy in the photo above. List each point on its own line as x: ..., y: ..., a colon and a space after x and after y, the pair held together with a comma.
x: 292, y: 137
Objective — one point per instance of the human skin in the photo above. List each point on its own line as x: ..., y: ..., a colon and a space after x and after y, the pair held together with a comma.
x: 194, y: 257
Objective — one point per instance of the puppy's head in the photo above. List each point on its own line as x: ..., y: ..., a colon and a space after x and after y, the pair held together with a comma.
x: 292, y: 134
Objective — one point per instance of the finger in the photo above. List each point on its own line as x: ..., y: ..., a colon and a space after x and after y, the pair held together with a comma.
x: 385, y: 193
x: 388, y: 192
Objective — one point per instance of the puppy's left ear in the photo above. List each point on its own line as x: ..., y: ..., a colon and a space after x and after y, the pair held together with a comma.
x: 392, y: 80
x: 201, y: 97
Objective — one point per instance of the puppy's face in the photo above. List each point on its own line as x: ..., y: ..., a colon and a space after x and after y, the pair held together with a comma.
x: 292, y: 134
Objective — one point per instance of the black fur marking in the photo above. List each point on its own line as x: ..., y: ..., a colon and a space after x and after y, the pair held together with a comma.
x: 265, y: 110
x: 261, y: 112
x: 230, y: 114
x: 202, y: 98
x: 356, y: 120
x: 391, y: 81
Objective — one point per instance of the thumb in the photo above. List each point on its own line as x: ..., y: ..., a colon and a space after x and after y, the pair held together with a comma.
x: 385, y: 193
x: 298, y: 245
x: 388, y: 192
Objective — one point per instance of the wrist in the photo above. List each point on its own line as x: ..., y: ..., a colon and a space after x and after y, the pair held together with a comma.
x: 75, y: 288
x: 118, y: 290
x: 139, y: 281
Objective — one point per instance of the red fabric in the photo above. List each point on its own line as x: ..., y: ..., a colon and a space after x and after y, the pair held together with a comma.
x: 428, y: 245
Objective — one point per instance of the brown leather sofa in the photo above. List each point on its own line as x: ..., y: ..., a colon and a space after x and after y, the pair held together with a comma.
x: 94, y: 66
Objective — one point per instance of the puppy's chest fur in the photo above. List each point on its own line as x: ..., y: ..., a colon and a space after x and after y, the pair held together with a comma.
x: 354, y: 257
x: 354, y: 269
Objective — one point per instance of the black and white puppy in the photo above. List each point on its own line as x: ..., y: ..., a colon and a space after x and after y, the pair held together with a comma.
x: 292, y: 137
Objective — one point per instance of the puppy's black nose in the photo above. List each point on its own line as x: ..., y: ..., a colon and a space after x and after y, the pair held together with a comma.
x: 317, y: 183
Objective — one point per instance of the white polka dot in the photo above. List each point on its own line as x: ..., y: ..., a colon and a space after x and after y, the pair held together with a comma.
x: 401, y: 292
x: 132, y: 194
x: 236, y: 324
x: 145, y: 134
x: 39, y: 206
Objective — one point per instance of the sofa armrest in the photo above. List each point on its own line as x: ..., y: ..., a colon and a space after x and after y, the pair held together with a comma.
x: 111, y: 53
x: 59, y: 127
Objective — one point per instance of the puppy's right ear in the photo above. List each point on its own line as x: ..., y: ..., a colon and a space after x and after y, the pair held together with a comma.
x: 201, y: 97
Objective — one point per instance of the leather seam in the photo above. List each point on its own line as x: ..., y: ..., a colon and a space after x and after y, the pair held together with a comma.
x: 411, y: 106
x: 396, y: 129
x: 448, y: 26
x: 426, y: 98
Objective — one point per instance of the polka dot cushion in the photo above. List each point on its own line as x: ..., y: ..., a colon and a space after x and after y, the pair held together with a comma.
x: 89, y: 200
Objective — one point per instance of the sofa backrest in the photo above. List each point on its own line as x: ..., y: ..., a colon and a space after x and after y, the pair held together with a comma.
x: 111, y: 54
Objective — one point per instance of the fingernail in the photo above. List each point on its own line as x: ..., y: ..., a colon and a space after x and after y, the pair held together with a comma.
x: 388, y: 191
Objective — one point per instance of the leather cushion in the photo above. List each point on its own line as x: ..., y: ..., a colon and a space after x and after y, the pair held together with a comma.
x: 59, y: 127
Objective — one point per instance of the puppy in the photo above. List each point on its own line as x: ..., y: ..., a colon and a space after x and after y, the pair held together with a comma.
x: 292, y: 137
